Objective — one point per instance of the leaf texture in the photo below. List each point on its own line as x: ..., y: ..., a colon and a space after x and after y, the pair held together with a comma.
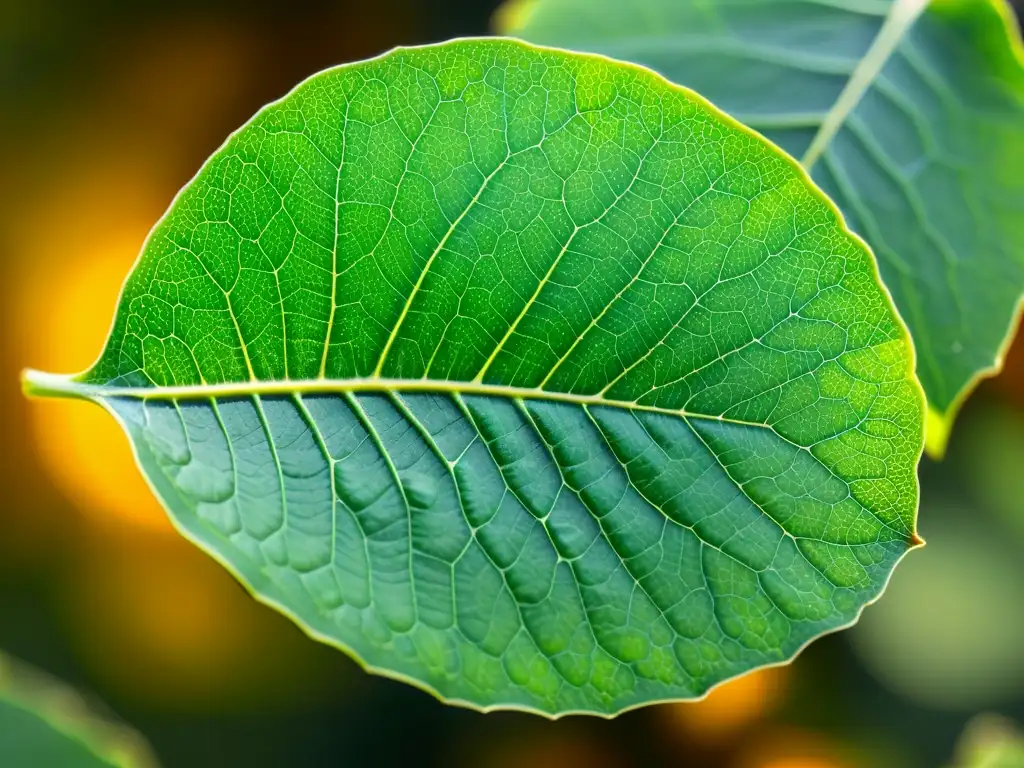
x: 910, y: 117
x: 521, y: 375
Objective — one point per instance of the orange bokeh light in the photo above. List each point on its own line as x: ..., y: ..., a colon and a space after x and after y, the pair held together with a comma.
x: 162, y: 624
x: 731, y: 706
x: 794, y: 748
x: 83, y: 449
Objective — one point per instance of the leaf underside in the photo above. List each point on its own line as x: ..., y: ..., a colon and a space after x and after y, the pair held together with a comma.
x: 927, y: 166
x: 524, y: 376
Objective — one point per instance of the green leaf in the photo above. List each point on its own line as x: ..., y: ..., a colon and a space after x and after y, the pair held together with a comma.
x: 44, y: 723
x: 521, y: 375
x: 910, y: 117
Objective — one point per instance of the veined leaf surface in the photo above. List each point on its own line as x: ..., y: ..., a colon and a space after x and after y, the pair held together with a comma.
x: 522, y: 375
x: 44, y: 723
x: 909, y: 114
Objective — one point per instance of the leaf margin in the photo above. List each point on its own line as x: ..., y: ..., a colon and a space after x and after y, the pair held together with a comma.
x: 36, y: 384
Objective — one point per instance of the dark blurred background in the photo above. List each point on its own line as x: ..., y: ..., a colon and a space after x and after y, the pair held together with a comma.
x: 108, y: 109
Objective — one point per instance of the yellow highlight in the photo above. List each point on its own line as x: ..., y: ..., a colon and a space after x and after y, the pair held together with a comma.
x: 936, y: 433
x: 82, y: 448
x: 83, y: 210
x: 151, y: 617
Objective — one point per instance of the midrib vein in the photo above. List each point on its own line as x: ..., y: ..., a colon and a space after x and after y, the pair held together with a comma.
x: 45, y: 384
x: 900, y: 18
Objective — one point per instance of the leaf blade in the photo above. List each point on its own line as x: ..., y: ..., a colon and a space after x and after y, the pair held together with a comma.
x: 458, y: 523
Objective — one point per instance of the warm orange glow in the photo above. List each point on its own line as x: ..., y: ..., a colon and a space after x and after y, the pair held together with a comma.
x: 797, y: 762
x: 731, y: 706
x: 1010, y: 382
x: 793, y: 748
x: 551, y: 750
x: 83, y: 448
x: 87, y: 198
x: 161, y: 623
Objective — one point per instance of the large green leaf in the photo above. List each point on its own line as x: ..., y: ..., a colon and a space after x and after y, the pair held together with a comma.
x: 521, y: 375
x: 910, y: 117
x: 44, y: 724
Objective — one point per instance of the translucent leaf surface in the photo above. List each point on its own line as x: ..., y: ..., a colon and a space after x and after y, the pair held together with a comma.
x: 521, y: 375
x: 910, y: 117
x: 44, y: 723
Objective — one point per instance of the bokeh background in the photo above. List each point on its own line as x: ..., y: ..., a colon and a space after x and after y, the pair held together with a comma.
x: 107, y: 110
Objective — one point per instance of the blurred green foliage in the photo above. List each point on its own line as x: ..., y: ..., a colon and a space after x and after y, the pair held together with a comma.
x: 45, y: 724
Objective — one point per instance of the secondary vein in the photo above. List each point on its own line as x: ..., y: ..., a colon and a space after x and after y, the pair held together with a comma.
x: 902, y: 16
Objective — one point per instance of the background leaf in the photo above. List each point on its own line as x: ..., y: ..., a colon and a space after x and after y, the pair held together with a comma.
x: 44, y: 723
x: 521, y: 375
x: 912, y: 123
